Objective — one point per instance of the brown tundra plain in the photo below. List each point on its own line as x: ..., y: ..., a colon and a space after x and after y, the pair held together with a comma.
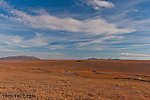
x: 75, y: 80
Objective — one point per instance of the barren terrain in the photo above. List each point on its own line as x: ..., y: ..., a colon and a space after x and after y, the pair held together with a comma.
x: 75, y: 80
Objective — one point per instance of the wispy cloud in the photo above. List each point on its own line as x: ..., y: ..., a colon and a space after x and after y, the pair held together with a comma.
x: 18, y: 41
x: 56, y: 47
x: 45, y: 20
x: 113, y: 39
x: 100, y: 3
x: 134, y: 58
x: 129, y: 54
x: 4, y: 5
x: 92, y: 47
x: 89, y: 26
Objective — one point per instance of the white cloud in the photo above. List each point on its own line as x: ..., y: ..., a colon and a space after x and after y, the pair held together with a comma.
x: 2, y: 15
x: 101, y: 40
x: 44, y: 20
x: 129, y: 54
x: 17, y: 41
x: 140, y: 45
x: 55, y: 47
x: 88, y: 26
x: 96, y: 8
x: 92, y: 48
x: 103, y: 43
x: 39, y: 40
x: 134, y: 58
x: 6, y: 48
x: 4, y: 4
x: 100, y: 3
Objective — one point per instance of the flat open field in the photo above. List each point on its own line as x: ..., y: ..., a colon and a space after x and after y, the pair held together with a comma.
x: 75, y: 80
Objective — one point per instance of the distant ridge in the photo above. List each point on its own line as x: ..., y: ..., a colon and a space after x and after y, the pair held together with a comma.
x: 20, y: 58
x: 93, y: 59
x: 103, y: 59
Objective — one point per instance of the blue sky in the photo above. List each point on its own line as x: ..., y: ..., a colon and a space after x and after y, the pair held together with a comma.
x: 75, y: 29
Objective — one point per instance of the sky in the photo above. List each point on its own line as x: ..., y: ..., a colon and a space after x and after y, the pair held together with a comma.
x: 75, y: 29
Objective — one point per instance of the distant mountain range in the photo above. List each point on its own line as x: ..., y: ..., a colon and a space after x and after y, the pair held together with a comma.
x: 20, y: 58
x: 102, y: 59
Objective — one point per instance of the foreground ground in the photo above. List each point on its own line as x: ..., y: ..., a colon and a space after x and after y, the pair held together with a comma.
x: 75, y: 80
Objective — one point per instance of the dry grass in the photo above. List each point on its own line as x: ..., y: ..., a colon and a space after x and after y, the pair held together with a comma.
x: 93, y: 80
